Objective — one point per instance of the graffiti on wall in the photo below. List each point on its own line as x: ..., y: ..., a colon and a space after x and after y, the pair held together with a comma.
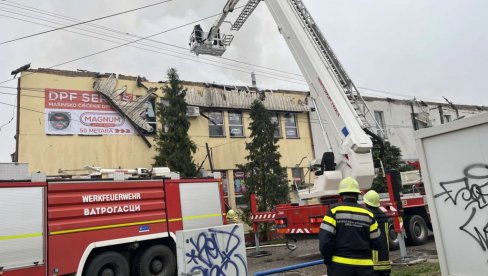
x: 217, y: 251
x: 470, y: 192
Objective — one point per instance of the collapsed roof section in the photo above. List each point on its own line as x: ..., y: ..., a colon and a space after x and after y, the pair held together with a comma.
x: 133, y: 110
x: 235, y: 98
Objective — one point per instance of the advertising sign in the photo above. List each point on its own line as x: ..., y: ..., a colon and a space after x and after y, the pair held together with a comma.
x: 83, y: 112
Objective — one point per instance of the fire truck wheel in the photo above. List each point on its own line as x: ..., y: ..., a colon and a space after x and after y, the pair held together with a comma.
x: 157, y: 260
x: 416, y: 230
x: 393, y: 241
x: 108, y: 264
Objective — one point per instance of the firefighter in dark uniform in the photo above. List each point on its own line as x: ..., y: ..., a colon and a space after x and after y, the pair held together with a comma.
x: 381, y: 257
x: 348, y: 234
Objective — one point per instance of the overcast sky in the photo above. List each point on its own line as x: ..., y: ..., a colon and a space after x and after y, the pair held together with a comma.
x: 424, y: 48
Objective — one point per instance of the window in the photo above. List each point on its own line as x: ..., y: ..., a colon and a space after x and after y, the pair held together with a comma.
x: 236, y: 128
x: 275, y: 119
x: 291, y: 127
x: 216, y: 124
x: 447, y: 118
x: 297, y: 176
x: 380, y: 119
x: 419, y: 121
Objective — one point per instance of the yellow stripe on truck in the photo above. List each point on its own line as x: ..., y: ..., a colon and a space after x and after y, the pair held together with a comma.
x: 201, y: 216
x: 130, y: 224
x: 21, y: 236
x: 105, y: 227
x: 196, y: 217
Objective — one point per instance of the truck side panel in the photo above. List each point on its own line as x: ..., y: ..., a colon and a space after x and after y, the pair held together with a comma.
x: 80, y: 213
x: 22, y: 238
x: 201, y: 204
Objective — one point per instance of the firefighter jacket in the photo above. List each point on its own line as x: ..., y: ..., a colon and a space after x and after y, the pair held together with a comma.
x: 381, y: 257
x: 347, y: 234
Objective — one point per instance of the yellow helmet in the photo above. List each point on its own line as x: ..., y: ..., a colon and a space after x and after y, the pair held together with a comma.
x: 349, y: 185
x: 372, y: 198
x: 231, y: 214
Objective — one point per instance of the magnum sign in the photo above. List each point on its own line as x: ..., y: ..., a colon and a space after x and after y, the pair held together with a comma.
x: 107, y: 120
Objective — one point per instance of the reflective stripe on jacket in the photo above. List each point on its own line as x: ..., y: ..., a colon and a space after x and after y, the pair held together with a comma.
x: 347, y: 234
x: 381, y: 257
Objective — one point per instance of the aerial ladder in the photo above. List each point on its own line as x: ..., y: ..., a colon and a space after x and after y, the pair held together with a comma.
x: 346, y: 122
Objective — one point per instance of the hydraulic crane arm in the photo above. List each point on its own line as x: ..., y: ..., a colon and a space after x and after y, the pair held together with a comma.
x: 328, y: 84
x: 212, y: 43
x: 229, y: 7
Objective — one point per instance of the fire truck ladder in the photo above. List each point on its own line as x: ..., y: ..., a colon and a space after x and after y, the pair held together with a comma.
x: 245, y: 13
x: 365, y: 116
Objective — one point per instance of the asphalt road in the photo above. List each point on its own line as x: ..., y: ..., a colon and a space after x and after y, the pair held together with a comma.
x: 307, y: 251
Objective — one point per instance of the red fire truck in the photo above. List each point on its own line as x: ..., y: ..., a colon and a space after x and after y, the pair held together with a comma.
x: 100, y: 226
x: 302, y: 222
x: 298, y: 222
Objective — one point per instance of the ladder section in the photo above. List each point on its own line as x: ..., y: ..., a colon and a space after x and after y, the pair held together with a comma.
x: 245, y: 13
x: 227, y: 40
x: 365, y: 116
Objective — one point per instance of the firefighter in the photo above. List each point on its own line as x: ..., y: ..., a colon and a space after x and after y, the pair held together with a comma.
x: 232, y: 217
x: 348, y: 234
x: 381, y: 257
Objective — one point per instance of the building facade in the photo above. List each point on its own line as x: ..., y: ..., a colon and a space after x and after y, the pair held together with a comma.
x: 396, y: 121
x: 64, y: 124
x: 399, y: 119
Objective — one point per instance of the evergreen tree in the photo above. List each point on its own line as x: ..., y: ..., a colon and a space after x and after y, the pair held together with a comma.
x: 391, y: 161
x: 174, y: 147
x: 265, y: 176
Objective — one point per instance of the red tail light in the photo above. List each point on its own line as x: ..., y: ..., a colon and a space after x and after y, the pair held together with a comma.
x: 316, y: 220
x: 281, y: 223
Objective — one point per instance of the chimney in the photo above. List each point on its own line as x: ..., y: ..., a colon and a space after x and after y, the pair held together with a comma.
x: 253, y: 79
